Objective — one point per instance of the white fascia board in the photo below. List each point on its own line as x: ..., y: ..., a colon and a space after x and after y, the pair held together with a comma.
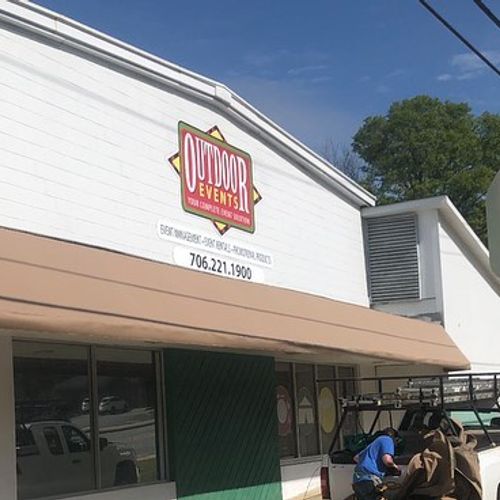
x: 69, y: 32
x: 435, y: 203
x: 453, y: 219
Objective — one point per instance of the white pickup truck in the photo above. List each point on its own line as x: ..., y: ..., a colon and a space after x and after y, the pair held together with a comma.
x: 420, y: 402
x: 54, y: 457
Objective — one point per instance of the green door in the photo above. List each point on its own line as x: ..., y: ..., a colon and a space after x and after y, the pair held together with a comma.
x: 222, y: 427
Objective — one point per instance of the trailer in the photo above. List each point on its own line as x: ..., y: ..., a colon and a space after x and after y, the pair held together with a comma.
x: 411, y: 405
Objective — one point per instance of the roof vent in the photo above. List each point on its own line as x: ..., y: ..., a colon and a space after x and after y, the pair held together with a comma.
x: 393, y: 267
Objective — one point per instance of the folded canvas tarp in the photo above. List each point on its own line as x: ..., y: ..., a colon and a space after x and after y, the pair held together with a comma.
x: 448, y: 468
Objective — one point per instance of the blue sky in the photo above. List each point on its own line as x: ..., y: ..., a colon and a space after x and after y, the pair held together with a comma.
x: 317, y: 68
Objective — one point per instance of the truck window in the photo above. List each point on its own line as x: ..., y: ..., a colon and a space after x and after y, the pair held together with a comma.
x: 53, y: 441
x: 75, y: 440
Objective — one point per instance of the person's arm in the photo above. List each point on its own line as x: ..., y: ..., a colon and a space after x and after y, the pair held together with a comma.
x: 391, y: 466
x: 389, y: 461
x: 356, y: 458
x: 387, y: 452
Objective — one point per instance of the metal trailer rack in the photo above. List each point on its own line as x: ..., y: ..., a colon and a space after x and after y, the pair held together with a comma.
x: 441, y: 392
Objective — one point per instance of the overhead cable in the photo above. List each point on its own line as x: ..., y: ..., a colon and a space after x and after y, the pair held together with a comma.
x: 460, y: 37
x: 488, y: 12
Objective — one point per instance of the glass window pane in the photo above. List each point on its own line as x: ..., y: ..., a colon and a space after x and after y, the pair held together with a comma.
x: 327, y: 406
x: 348, y: 388
x: 306, y: 410
x: 285, y: 409
x: 127, y: 416
x: 50, y: 382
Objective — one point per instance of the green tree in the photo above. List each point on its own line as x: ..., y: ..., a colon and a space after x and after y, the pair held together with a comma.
x: 426, y: 147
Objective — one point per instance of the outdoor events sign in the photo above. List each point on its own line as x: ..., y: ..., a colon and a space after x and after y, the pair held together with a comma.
x: 216, y: 179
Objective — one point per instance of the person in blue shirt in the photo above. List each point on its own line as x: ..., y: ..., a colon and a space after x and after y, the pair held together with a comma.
x: 373, y: 463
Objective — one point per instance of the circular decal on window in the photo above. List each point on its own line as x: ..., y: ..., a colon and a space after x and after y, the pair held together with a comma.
x: 327, y: 411
x: 306, y: 416
x: 285, y: 411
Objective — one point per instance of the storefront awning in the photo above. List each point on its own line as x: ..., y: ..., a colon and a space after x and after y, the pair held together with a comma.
x: 84, y: 293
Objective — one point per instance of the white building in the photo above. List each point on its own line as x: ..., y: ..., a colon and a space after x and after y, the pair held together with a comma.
x: 176, y: 270
x: 434, y: 267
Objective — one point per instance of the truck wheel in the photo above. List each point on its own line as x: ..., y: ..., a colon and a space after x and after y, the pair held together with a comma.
x: 125, y: 474
x: 498, y: 492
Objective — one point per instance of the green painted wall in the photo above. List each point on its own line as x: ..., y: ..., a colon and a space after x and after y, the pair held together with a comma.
x: 221, y: 417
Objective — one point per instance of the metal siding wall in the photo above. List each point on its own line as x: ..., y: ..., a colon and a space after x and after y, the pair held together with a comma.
x: 83, y: 157
x: 471, y: 304
x: 222, y: 425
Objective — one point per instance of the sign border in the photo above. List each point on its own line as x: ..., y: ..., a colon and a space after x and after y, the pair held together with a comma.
x: 185, y: 126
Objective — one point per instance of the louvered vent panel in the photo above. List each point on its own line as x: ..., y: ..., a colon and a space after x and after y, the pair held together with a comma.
x: 393, y: 258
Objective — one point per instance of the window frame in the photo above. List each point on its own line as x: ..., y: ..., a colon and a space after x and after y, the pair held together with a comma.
x: 164, y: 475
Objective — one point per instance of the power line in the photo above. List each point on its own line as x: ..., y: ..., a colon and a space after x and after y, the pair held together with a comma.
x: 488, y: 12
x: 460, y: 37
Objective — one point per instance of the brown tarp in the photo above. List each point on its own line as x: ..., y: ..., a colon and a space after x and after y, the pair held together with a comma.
x: 74, y: 290
x: 448, y: 468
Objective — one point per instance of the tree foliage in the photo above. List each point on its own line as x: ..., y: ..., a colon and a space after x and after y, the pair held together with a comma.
x: 426, y: 147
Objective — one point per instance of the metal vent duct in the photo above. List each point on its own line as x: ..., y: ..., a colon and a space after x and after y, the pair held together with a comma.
x: 393, y: 258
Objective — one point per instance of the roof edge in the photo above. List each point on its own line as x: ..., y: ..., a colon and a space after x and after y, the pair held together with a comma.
x: 68, y: 32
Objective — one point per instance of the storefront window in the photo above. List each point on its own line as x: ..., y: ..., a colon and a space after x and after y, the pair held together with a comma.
x: 57, y: 411
x: 285, y: 409
x: 327, y: 406
x: 127, y: 414
x: 51, y: 381
x: 346, y: 389
x: 310, y: 394
x: 306, y: 405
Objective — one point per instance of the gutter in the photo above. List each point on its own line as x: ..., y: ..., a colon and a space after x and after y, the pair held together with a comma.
x: 65, y: 31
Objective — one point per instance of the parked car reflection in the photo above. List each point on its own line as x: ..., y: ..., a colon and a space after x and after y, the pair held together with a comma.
x: 85, y: 405
x: 112, y: 404
x: 54, y: 457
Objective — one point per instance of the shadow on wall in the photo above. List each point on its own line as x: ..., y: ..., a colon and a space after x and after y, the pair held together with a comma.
x: 221, y: 413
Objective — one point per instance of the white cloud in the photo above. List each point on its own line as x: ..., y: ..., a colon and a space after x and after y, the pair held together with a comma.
x: 444, y: 77
x: 314, y: 68
x: 469, y: 66
x: 382, y: 88
x: 469, y: 75
x: 322, y: 79
x: 265, y: 59
x: 396, y: 73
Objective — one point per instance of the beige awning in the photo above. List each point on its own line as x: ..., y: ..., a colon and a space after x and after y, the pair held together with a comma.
x: 76, y: 291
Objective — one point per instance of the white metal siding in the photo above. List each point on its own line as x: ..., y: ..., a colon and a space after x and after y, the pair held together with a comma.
x: 393, y: 258
x: 83, y: 157
x: 471, y: 305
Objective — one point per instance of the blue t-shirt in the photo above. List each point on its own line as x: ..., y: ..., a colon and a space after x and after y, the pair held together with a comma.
x: 370, y: 459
